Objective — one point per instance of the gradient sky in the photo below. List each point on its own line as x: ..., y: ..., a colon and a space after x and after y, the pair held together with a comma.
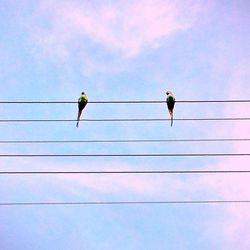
x: 124, y: 50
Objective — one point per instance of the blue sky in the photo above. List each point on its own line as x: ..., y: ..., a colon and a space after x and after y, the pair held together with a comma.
x: 124, y: 50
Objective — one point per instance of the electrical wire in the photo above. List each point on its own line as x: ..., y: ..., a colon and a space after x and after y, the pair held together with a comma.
x: 129, y: 155
x: 126, y: 155
x: 188, y: 202
x: 125, y: 102
x: 126, y: 141
x: 128, y: 172
x: 128, y: 119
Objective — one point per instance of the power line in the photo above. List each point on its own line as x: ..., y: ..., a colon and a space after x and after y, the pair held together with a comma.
x: 128, y: 172
x: 129, y: 119
x: 129, y: 155
x: 126, y: 102
x: 100, y: 203
x: 126, y: 141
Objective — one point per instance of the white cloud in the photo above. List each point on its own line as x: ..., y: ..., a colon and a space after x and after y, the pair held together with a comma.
x: 235, y: 227
x: 124, y: 27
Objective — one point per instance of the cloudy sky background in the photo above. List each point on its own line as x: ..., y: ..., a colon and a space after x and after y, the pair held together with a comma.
x: 124, y: 50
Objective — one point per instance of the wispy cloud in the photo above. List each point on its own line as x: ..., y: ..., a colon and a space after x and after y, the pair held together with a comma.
x: 144, y: 186
x: 235, y: 227
x: 123, y: 27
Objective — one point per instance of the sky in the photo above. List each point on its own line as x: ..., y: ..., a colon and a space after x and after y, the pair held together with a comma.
x: 124, y: 51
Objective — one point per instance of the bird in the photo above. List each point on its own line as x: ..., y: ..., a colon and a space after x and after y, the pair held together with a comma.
x: 82, y: 102
x: 170, y: 103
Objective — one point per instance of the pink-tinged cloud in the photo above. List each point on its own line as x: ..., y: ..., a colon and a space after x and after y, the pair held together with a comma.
x: 148, y: 186
x: 236, y: 227
x: 124, y: 27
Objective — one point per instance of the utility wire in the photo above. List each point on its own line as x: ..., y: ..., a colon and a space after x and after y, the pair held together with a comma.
x: 125, y: 102
x: 128, y: 155
x: 125, y: 141
x: 128, y: 172
x: 100, y: 203
x: 128, y: 119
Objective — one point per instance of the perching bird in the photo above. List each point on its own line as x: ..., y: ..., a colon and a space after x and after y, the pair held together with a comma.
x: 82, y: 102
x: 170, y: 102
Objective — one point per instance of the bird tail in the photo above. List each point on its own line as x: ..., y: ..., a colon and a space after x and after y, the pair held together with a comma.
x: 172, y: 119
